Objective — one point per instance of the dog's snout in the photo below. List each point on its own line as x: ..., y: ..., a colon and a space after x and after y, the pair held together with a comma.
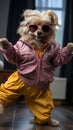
x: 39, y: 33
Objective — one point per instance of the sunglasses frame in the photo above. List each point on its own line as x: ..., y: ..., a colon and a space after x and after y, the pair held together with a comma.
x: 39, y: 27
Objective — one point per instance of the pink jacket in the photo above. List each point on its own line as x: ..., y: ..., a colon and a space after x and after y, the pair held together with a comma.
x: 35, y: 71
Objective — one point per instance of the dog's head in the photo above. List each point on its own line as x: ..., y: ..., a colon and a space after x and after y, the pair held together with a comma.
x: 38, y: 27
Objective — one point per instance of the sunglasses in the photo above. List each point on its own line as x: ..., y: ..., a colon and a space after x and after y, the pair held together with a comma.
x: 45, y: 28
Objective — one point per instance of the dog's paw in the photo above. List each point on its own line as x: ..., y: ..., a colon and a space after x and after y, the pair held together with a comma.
x: 70, y: 47
x: 3, y: 41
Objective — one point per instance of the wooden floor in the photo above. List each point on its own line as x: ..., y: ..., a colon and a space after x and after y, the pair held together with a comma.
x: 18, y: 117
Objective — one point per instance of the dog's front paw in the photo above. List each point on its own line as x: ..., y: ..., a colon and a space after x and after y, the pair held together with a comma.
x: 70, y: 47
x: 3, y: 41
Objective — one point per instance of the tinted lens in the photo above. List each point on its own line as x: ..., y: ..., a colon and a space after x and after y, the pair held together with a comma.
x: 33, y: 28
x: 46, y: 28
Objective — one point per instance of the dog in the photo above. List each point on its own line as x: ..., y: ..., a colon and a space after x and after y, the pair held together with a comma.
x: 36, y: 56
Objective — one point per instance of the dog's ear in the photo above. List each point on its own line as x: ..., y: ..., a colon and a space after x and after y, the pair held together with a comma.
x: 53, y: 18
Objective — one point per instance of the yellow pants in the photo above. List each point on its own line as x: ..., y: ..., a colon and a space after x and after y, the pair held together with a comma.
x: 40, y: 102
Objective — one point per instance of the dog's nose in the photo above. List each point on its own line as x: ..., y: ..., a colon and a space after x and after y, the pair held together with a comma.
x: 39, y: 33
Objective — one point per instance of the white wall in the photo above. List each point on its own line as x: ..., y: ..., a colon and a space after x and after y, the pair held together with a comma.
x: 58, y: 88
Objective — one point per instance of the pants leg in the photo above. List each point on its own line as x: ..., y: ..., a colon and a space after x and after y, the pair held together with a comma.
x: 11, y: 89
x: 40, y: 103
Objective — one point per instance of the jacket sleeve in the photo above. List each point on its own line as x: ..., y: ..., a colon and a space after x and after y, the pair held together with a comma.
x: 11, y: 53
x: 61, y: 56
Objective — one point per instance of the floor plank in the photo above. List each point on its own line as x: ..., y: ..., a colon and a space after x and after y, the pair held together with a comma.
x: 18, y: 117
x: 6, y: 119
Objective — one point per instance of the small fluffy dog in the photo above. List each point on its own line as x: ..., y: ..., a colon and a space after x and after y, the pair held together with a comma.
x: 36, y: 55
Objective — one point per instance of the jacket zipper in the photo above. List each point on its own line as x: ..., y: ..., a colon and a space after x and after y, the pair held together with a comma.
x: 38, y: 70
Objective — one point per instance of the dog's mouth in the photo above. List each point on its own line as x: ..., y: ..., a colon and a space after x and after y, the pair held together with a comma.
x: 40, y: 38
